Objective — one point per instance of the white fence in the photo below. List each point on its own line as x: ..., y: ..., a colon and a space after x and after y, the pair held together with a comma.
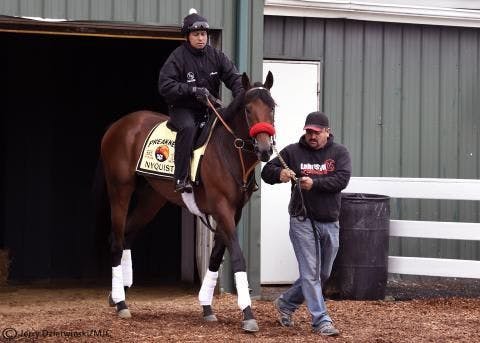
x: 422, y: 188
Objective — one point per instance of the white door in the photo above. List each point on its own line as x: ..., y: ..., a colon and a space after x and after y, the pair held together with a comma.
x: 296, y: 91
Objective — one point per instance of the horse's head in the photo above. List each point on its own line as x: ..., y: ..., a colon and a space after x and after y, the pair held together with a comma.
x: 259, y: 112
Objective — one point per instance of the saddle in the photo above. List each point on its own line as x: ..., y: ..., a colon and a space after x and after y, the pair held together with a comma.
x: 158, y: 152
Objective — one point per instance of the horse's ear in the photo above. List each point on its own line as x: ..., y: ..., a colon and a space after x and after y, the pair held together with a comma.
x: 245, y: 82
x: 268, y: 81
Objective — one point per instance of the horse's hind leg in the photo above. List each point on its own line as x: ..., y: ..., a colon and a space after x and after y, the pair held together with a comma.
x: 119, y: 200
x: 148, y: 204
x: 205, y: 296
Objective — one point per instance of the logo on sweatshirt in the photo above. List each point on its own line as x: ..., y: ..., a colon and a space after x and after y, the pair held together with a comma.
x: 190, y: 76
x: 317, y: 169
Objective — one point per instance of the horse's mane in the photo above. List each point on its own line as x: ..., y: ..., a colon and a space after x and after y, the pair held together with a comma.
x: 234, y: 107
x: 239, y: 101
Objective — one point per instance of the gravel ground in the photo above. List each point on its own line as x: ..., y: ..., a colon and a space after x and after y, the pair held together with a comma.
x: 433, y: 311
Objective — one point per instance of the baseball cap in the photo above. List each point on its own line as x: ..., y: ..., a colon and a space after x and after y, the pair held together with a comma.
x: 316, y: 121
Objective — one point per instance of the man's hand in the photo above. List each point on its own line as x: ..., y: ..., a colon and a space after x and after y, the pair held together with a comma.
x: 201, y: 94
x: 306, y: 183
x: 286, y: 175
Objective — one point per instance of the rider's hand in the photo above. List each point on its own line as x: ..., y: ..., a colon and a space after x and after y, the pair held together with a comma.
x: 201, y: 94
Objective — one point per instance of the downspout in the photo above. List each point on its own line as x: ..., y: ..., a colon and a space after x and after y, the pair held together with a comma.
x: 248, y: 227
x: 241, y: 61
x: 242, y: 35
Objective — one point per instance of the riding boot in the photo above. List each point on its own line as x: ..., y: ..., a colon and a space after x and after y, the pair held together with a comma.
x: 183, y: 147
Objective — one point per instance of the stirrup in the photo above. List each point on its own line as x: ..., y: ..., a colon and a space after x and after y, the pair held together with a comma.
x: 183, y: 186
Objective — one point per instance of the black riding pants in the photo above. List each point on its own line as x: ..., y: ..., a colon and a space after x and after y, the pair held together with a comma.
x: 185, y: 121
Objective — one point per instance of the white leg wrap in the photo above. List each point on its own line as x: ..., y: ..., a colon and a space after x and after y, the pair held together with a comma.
x: 242, y: 290
x: 127, y: 268
x: 118, y: 293
x: 205, y: 296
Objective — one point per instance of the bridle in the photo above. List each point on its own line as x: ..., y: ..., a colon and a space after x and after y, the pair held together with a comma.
x: 239, y: 143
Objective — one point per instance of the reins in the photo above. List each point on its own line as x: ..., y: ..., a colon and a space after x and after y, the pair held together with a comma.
x: 238, y: 143
x: 302, y: 212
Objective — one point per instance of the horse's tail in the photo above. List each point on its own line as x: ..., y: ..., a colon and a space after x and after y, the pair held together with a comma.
x: 102, y: 218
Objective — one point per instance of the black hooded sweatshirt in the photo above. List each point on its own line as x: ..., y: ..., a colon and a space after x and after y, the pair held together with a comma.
x: 187, y: 67
x: 329, y: 167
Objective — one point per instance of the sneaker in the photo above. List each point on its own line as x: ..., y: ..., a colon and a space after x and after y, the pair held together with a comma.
x: 183, y: 186
x: 284, y: 318
x: 326, y: 329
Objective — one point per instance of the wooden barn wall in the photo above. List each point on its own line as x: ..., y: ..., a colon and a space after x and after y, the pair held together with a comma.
x: 405, y: 100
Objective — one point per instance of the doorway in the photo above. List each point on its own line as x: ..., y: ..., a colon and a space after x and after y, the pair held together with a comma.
x: 62, y: 92
x: 296, y: 91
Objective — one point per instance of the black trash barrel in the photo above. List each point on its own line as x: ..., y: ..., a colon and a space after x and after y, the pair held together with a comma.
x: 360, y: 269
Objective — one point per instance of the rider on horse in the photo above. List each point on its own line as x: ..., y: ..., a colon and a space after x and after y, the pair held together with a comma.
x: 192, y: 73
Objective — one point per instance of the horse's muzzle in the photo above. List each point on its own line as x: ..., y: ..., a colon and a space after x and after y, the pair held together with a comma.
x: 265, y: 155
x: 263, y: 148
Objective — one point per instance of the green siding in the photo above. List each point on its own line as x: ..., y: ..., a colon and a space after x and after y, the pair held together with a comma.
x: 372, y: 105
x: 77, y: 10
x: 55, y: 8
x: 160, y: 12
x: 352, y: 127
x: 334, y: 74
x: 404, y: 99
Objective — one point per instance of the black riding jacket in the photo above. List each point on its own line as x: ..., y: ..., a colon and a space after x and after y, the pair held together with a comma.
x: 329, y: 167
x: 187, y: 67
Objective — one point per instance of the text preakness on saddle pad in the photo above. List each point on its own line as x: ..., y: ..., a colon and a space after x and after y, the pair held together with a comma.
x: 157, y: 157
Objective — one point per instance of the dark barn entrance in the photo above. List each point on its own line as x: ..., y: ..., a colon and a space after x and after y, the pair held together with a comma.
x: 60, y: 93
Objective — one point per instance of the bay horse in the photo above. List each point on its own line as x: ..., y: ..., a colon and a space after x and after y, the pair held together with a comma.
x: 236, y: 146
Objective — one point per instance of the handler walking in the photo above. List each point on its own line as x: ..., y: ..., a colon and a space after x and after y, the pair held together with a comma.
x: 324, y: 169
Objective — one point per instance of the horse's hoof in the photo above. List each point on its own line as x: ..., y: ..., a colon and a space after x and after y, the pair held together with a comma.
x: 210, y: 318
x: 110, y: 300
x: 125, y: 313
x: 250, y: 325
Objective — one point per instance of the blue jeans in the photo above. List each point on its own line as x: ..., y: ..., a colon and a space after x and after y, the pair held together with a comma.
x: 307, y: 287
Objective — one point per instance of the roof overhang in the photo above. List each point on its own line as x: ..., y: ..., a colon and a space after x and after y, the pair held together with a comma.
x: 396, y: 11
x: 87, y: 28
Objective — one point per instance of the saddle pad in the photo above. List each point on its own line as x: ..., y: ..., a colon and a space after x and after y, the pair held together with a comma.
x: 157, y: 156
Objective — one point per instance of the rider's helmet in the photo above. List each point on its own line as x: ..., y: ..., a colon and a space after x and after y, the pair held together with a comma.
x: 194, y: 22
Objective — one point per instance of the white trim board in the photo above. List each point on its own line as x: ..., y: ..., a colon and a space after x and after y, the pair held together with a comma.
x: 411, y: 12
x: 432, y: 229
x: 434, y: 267
x: 418, y: 188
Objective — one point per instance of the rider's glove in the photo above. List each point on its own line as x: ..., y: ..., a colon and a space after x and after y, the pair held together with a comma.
x: 201, y: 94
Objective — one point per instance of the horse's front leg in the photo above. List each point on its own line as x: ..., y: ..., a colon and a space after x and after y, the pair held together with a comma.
x: 205, y: 296
x: 249, y: 323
